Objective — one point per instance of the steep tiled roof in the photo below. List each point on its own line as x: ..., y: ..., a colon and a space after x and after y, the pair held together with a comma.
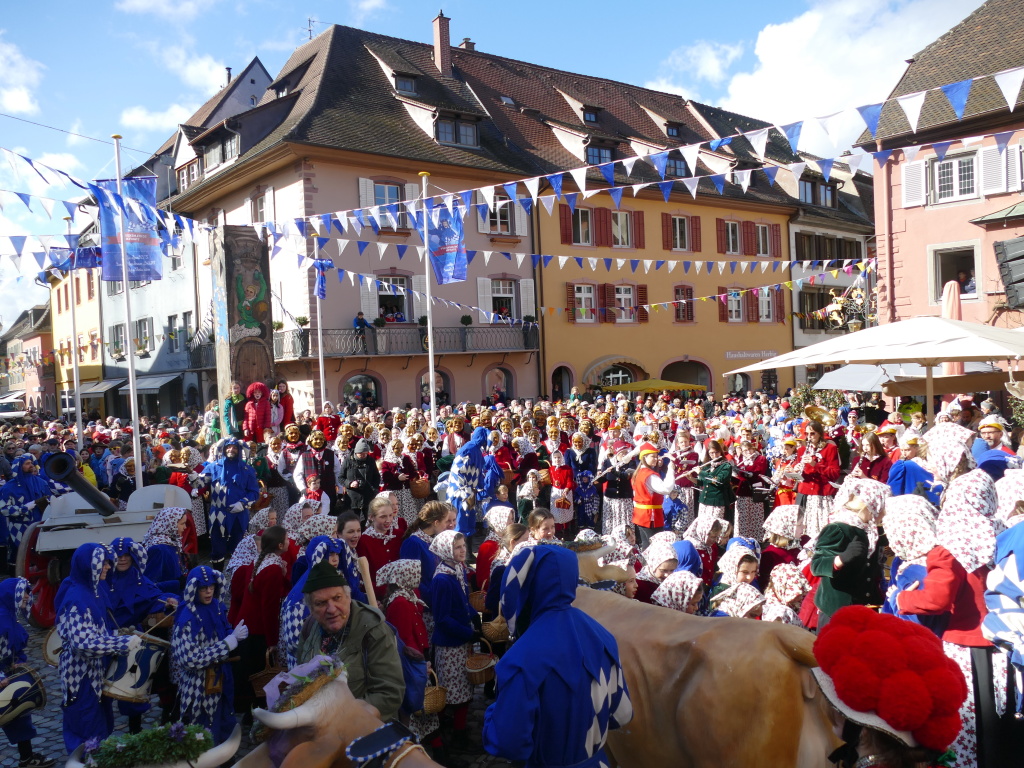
x: 986, y: 42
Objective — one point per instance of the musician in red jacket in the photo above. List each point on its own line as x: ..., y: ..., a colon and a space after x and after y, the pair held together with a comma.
x: 649, y: 490
x: 819, y: 464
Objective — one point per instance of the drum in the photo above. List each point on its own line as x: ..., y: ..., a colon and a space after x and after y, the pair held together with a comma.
x: 24, y: 692
x: 51, y: 648
x: 130, y: 678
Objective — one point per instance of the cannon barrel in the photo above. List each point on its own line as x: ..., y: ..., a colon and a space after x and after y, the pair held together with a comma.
x: 61, y: 467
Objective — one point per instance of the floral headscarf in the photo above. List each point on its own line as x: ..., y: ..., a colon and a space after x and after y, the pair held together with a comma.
x: 669, y: 537
x: 738, y: 600
x: 317, y: 525
x: 293, y: 517
x: 245, y: 554
x: 729, y: 563
x: 1010, y: 490
x: 871, y: 492
x: 966, y: 525
x: 622, y: 549
x: 788, y: 586
x: 655, y: 555
x: 390, y: 455
x: 782, y: 522
x: 164, y: 529
x: 523, y: 445
x: 498, y: 518
x: 700, y: 529
x: 947, y: 443
x: 260, y: 521
x: 910, y: 528
x: 405, y: 576
x: 677, y: 590
x: 442, y: 546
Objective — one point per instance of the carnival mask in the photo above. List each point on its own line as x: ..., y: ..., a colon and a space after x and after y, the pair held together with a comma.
x: 291, y: 432
x: 317, y: 440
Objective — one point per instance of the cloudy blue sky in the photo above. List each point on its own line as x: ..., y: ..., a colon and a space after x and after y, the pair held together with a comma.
x: 139, y: 67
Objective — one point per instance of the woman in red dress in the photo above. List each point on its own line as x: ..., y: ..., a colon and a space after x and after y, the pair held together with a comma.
x: 873, y: 463
x: 382, y: 540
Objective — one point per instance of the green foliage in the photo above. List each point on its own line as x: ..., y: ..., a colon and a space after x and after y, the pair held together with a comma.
x: 803, y: 396
x: 163, y: 745
x: 1017, y: 410
x: 379, y: 322
x: 466, y: 319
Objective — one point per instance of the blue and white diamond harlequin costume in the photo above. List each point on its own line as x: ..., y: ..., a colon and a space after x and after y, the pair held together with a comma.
x: 466, y: 480
x: 19, y: 498
x: 560, y: 686
x: 86, y: 627
x: 294, y: 610
x: 13, y: 639
x: 232, y: 482
x: 199, y: 641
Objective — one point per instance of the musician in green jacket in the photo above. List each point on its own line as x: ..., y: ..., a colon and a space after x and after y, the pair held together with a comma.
x: 715, y: 481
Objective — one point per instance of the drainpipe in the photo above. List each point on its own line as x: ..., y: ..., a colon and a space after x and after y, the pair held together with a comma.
x: 890, y: 279
x: 542, y: 358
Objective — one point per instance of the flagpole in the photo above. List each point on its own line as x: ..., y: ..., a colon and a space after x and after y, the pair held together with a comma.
x: 320, y: 345
x: 74, y: 344
x: 430, y: 312
x: 133, y: 398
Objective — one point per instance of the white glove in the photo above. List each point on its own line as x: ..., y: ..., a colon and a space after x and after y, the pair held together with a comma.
x: 236, y: 507
x: 232, y: 642
x: 241, y: 631
x: 134, y: 642
x: 193, y: 476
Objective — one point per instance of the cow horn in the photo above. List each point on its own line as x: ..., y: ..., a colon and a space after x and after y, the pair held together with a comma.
x: 299, y: 717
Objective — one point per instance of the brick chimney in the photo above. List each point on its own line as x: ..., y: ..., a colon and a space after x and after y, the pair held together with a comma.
x: 442, y: 45
x: 467, y: 44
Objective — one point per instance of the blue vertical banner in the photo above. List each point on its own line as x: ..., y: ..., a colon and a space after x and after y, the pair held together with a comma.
x: 447, y: 247
x: 142, y: 242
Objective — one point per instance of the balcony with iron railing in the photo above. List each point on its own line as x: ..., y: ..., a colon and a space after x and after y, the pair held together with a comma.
x: 202, y: 356
x: 406, y: 340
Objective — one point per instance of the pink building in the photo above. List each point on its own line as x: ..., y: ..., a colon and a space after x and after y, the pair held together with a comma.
x: 941, y: 216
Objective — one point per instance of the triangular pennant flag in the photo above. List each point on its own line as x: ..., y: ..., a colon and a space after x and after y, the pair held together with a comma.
x: 797, y: 169
x: 26, y: 199
x: 421, y: 251
x: 511, y: 189
x: 666, y: 189
x: 660, y: 162
x: 870, y: 114
x: 719, y: 181
x: 18, y: 243
x: 911, y: 105
x: 487, y: 193
x: 909, y: 153
x: 792, y: 132
x: 825, y: 166
x: 535, y: 259
x: 672, y: 265
x: 556, y: 184
x: 628, y: 163
x: 526, y: 204
x: 742, y: 178
x: 579, y: 261
x: 579, y: 175
x: 690, y: 154
x: 691, y: 185
x: 533, y: 186
x: 957, y: 94
x: 470, y: 255
x: 401, y: 250
x: 562, y: 261
x: 487, y: 257
x: 721, y: 266
x: 381, y: 248
x: 549, y: 203
x: 615, y: 193
x: 466, y: 198
x: 607, y: 265
x: 342, y: 244
x: 47, y: 204
x: 758, y: 140
x: 633, y: 264
x: 608, y: 171
x: 1009, y: 83
x: 941, y: 148
x: 592, y: 261
x: 44, y: 240
x: 620, y: 263
x: 483, y: 211
x: 882, y: 157
x: 72, y: 209
x: 361, y: 244
x: 710, y: 265
x: 765, y: 265
x: 732, y: 268
x: 716, y: 143
x: 570, y: 200
x: 771, y: 171
x: 658, y: 265
x: 1002, y: 139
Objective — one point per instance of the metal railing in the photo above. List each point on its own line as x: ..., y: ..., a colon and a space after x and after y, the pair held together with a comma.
x: 405, y: 340
x: 202, y: 356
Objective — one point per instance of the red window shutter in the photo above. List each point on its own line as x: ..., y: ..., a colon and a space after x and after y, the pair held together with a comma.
x: 639, y: 240
x: 723, y: 306
x: 602, y: 227
x: 570, y: 300
x: 565, y: 223
x: 720, y: 231
x: 690, y: 315
x: 666, y: 231
x: 776, y: 251
x: 751, y: 308
x: 606, y: 301
x: 749, y: 230
x: 779, y: 306
x: 642, y: 315
x: 695, y: 234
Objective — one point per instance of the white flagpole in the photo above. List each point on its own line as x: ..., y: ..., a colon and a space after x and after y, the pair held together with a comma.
x: 320, y: 344
x: 133, y: 397
x: 74, y: 344
x: 430, y: 311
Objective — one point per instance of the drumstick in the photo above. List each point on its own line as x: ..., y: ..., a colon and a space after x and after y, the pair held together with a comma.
x: 364, y: 571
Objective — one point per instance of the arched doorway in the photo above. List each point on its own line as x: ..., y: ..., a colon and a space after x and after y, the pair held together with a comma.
x: 498, y: 381
x: 738, y: 382
x: 617, y: 374
x: 360, y: 390
x: 192, y: 397
x: 561, y: 383
x: 687, y: 372
x: 442, y: 386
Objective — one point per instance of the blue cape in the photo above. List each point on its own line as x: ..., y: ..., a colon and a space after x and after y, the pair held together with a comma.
x: 212, y: 618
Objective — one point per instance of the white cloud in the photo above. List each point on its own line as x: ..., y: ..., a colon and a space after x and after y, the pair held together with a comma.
x: 362, y: 10
x: 667, y: 85
x: 76, y: 127
x: 144, y: 119
x: 172, y: 10
x: 704, y: 60
x: 21, y: 77
x: 202, y: 73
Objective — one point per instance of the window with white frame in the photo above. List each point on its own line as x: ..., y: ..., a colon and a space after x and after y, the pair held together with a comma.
x: 763, y: 239
x: 955, y: 264
x: 259, y: 208
x: 117, y: 339
x: 581, y: 234
x: 503, y: 298
x: 734, y: 304
x: 115, y: 287
x: 955, y: 178
x: 176, y: 260
x: 405, y: 84
x: 80, y: 348
x: 94, y: 345
x: 186, y: 326
x: 392, y: 302
x: 681, y: 233
x: 585, y: 303
x: 625, y: 303
x: 765, y: 307
x: 732, y: 237
x: 499, y: 220
x: 621, y: 229
x: 387, y: 193
x: 615, y: 375
x: 144, y: 338
x: 173, y: 342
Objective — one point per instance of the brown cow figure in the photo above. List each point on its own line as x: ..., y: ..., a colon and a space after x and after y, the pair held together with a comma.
x: 709, y: 692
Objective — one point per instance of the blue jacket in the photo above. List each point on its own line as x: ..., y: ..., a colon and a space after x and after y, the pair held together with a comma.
x: 453, y: 617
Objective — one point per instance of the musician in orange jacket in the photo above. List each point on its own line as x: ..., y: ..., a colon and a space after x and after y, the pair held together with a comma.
x: 819, y: 460
x: 649, y: 491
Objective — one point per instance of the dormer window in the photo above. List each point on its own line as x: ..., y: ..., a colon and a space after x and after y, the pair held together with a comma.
x: 507, y: 101
x: 281, y: 90
x: 461, y: 132
x: 598, y: 155
x: 405, y: 84
x: 590, y: 114
x: 672, y: 130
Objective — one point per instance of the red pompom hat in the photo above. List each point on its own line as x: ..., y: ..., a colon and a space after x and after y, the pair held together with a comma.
x: 879, y: 670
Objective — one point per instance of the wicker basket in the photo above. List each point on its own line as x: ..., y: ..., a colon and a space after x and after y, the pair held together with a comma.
x: 435, y: 697
x: 509, y: 477
x: 478, y: 600
x: 270, y: 671
x: 419, y: 487
x: 480, y: 666
x: 496, y: 630
x: 545, y: 477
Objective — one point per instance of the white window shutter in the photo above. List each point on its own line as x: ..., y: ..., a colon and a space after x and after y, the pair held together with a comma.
x: 412, y: 192
x: 993, y: 171
x: 419, y: 303
x: 914, y: 189
x: 247, y: 211
x: 527, y: 300
x: 366, y: 198
x: 269, y: 210
x: 1013, y: 168
x: 483, y: 295
x: 368, y: 297
x: 483, y: 225
x: 522, y: 220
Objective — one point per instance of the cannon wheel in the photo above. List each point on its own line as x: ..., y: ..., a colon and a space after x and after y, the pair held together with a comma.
x: 40, y: 571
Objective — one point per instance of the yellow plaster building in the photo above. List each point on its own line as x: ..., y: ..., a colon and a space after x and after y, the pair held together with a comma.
x: 87, y: 346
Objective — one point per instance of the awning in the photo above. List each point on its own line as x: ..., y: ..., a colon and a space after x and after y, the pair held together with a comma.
x: 858, y: 377
x: 150, y: 385
x: 1015, y: 211
x: 99, y: 388
x: 10, y: 397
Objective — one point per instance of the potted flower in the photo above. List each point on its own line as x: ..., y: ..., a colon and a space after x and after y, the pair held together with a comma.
x: 466, y: 320
x: 422, y: 321
x: 176, y: 746
x: 277, y: 325
x: 116, y: 352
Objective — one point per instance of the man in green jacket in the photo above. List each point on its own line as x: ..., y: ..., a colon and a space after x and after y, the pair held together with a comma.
x: 843, y: 558
x: 356, y: 634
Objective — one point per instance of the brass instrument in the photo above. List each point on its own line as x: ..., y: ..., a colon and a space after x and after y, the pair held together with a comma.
x: 820, y: 415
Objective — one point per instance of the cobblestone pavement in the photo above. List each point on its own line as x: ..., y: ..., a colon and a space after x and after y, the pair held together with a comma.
x: 50, y: 741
